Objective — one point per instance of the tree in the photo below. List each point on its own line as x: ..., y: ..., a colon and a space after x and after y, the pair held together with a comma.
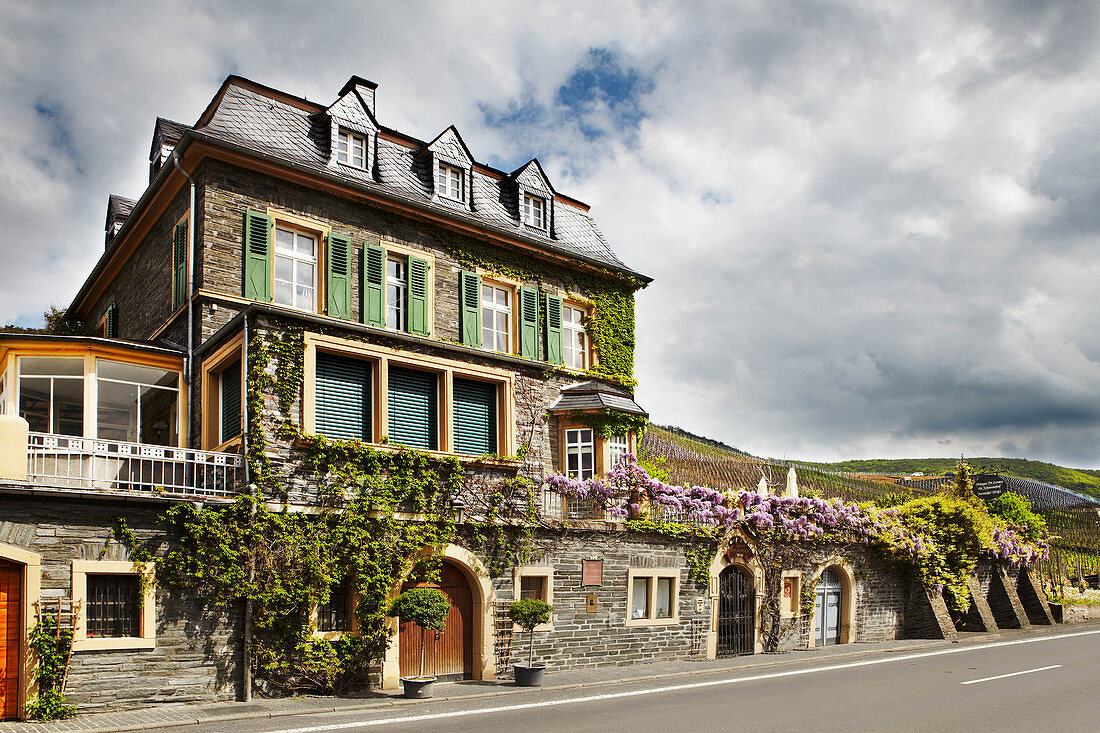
x: 425, y: 607
x: 527, y: 614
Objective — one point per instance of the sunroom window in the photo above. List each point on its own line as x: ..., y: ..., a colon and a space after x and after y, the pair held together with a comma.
x: 51, y: 394
x: 137, y: 404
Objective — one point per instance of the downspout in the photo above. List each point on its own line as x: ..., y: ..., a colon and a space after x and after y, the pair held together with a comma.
x: 246, y: 650
x: 188, y: 377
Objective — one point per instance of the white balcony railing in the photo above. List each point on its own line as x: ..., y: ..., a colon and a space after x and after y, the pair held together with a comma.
x: 64, y: 462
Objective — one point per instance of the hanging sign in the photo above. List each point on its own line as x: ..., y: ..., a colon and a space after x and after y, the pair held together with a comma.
x: 989, y: 486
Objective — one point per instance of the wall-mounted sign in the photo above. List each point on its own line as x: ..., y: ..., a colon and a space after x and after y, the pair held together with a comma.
x: 592, y: 572
x: 590, y: 605
x: 788, y: 587
x: 989, y: 486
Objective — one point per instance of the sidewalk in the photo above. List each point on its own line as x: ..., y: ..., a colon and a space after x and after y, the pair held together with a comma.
x: 171, y: 715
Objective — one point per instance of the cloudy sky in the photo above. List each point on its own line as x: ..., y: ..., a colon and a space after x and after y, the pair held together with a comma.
x: 873, y: 225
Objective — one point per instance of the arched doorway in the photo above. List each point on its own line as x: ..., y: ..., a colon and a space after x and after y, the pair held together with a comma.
x: 448, y: 654
x: 827, y: 607
x: 11, y: 637
x: 736, y: 612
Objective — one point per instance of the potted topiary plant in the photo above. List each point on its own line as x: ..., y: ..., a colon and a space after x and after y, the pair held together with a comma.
x: 428, y: 609
x: 527, y: 614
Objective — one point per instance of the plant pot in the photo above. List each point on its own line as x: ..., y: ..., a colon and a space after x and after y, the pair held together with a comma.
x: 417, y: 687
x: 529, y: 676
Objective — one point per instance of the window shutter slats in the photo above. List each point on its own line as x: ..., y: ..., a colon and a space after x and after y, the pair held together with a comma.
x: 475, y: 417
x: 112, y: 322
x: 554, y: 352
x: 343, y: 397
x: 373, y: 287
x: 469, y: 296
x: 231, y: 402
x: 257, y: 256
x: 413, y: 406
x: 179, y: 266
x: 338, y: 268
x: 528, y: 323
x: 418, y: 296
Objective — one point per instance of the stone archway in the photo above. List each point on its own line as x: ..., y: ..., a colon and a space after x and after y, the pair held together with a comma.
x: 847, y: 578
x: 28, y: 571
x: 483, y: 627
x: 750, y: 564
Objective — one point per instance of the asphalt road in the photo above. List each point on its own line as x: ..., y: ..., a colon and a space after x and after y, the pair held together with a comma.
x: 1045, y: 683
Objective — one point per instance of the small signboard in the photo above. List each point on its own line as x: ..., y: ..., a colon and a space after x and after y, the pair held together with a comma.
x: 590, y: 606
x: 989, y: 486
x: 592, y: 572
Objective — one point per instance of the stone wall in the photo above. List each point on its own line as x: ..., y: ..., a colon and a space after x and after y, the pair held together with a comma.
x: 197, y: 654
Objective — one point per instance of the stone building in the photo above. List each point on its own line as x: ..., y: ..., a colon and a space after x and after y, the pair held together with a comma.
x: 416, y: 298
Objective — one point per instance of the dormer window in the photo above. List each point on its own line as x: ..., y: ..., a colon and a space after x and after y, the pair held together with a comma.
x: 452, y: 182
x: 351, y: 149
x: 533, y: 211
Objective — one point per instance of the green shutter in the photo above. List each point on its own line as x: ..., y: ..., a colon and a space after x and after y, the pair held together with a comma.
x: 469, y: 296
x: 413, y: 407
x: 338, y: 269
x: 179, y: 266
x: 373, y: 286
x: 475, y: 417
x: 528, y: 323
x: 230, y: 402
x: 554, y: 353
x: 343, y: 397
x: 257, y: 256
x: 112, y: 322
x: 418, y: 296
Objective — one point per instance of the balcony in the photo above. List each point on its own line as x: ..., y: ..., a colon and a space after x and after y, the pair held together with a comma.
x: 112, y: 467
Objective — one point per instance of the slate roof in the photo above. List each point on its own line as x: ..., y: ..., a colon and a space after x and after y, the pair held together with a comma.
x: 118, y: 206
x: 246, y: 117
x: 166, y: 131
x: 596, y: 396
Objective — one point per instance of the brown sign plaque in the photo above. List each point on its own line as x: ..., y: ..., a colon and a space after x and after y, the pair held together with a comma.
x: 592, y: 572
x: 590, y: 607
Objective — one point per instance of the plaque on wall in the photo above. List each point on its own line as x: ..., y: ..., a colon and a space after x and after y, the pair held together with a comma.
x: 590, y: 606
x: 592, y: 572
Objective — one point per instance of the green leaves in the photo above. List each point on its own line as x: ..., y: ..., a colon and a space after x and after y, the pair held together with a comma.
x: 425, y: 607
x: 528, y: 613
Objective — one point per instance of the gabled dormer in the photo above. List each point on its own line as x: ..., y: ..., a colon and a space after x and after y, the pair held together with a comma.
x: 450, y: 169
x: 353, y: 128
x: 165, y: 136
x: 534, y: 198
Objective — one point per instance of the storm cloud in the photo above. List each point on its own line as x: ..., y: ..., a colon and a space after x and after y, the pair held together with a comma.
x: 873, y: 226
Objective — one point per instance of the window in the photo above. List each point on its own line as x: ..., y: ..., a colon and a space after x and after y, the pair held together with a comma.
x: 496, y: 318
x: 413, y: 408
x: 229, y: 403
x: 574, y: 339
x: 579, y: 453
x: 137, y: 404
x: 118, y: 599
x: 335, y: 613
x: 343, y: 397
x: 295, y: 269
x: 113, y: 605
x: 533, y: 211
x: 617, y: 447
x: 351, y: 149
x: 397, y: 294
x: 533, y: 586
x: 535, y: 581
x: 452, y: 182
x: 51, y: 394
x: 653, y: 595
x: 475, y: 416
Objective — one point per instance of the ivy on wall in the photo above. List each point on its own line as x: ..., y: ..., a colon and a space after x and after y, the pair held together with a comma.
x: 608, y: 423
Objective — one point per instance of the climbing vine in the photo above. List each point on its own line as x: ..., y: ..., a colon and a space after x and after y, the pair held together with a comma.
x: 609, y: 423
x: 52, y: 646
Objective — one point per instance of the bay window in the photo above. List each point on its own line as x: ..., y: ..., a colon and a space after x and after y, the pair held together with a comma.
x: 617, y: 448
x: 51, y: 394
x: 137, y: 404
x: 580, y: 453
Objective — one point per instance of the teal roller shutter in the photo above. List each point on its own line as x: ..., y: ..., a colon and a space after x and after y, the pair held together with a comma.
x: 528, y: 323
x: 230, y: 402
x: 475, y: 417
x: 343, y: 397
x: 469, y: 296
x: 554, y: 352
x: 413, y: 408
x: 338, y: 268
x: 179, y: 266
x: 373, y: 288
x: 418, y: 296
x: 257, y: 256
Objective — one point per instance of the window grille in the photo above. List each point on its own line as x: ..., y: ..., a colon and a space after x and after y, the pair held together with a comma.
x: 114, y: 605
x: 335, y: 614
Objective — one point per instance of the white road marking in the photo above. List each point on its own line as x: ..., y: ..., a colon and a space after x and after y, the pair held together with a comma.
x: 353, y: 725
x: 1011, y: 674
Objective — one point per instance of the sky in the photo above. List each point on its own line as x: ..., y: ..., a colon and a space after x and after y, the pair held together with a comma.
x: 872, y: 226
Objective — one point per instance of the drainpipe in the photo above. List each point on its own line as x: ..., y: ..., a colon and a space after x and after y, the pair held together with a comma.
x: 246, y: 650
x: 187, y: 376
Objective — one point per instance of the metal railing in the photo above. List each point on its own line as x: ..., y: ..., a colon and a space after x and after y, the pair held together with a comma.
x: 65, y: 462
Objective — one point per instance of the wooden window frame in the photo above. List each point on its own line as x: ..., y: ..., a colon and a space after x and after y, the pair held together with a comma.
x: 321, y: 232
x: 353, y: 135
x: 398, y: 251
x: 653, y: 574
x: 147, y: 616
x: 602, y: 446
x: 443, y: 170
x: 526, y: 205
x: 512, y: 289
x: 446, y: 369
x: 210, y: 385
x: 546, y: 572
x: 586, y: 313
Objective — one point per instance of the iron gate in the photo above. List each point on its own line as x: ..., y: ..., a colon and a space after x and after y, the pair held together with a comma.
x: 736, y: 612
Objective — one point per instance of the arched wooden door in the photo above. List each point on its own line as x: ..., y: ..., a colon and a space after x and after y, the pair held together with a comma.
x: 736, y: 612
x: 827, y: 605
x: 11, y: 604
x: 449, y: 654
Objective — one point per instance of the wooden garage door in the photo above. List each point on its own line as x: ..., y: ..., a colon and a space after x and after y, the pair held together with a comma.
x: 11, y: 604
x: 447, y: 654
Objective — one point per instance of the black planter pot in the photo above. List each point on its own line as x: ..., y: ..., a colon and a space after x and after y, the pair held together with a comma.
x: 529, y: 676
x: 417, y: 687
